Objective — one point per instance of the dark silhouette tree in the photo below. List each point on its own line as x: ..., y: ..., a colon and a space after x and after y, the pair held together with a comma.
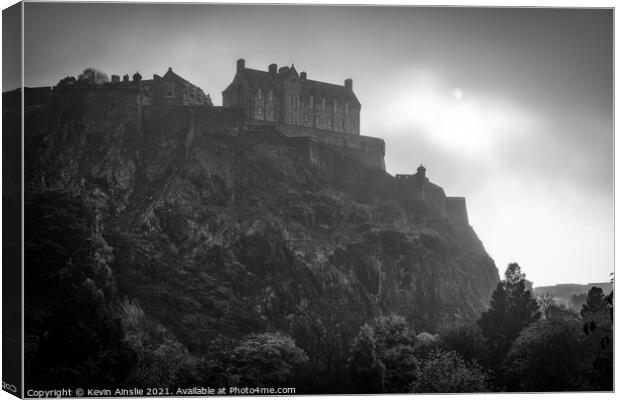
x: 366, y: 369
x: 597, y: 320
x: 465, y: 339
x: 93, y: 76
x: 67, y: 82
x: 595, y: 303
x: 73, y: 331
x: 512, y: 309
x: 395, y: 344
x: 547, y: 356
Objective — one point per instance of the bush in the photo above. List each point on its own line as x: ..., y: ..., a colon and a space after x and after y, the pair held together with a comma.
x: 545, y: 357
x: 446, y: 372
x: 266, y: 359
x: 465, y: 339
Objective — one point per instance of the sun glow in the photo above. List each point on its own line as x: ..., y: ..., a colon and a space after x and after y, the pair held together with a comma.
x: 471, y: 124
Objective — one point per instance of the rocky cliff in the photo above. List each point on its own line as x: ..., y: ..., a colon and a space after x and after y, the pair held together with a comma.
x: 208, y: 231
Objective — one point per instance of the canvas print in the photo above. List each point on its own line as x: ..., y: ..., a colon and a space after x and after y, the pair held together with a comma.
x: 232, y: 199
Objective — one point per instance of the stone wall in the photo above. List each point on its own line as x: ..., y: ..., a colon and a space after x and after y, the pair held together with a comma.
x: 457, y: 210
x: 369, y: 149
x: 207, y: 120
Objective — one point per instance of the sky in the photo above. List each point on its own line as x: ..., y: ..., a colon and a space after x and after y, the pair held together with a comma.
x: 511, y: 108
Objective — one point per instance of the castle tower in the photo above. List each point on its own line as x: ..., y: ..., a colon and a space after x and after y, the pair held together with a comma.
x: 421, y: 180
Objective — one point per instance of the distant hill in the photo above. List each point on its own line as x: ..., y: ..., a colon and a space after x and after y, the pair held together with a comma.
x: 571, y: 294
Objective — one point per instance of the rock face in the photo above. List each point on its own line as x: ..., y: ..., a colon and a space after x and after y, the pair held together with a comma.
x: 215, y: 232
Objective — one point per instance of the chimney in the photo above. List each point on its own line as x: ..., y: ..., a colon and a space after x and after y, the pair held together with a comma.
x: 303, y: 76
x: 116, y: 79
x: 240, y: 65
x: 273, y: 68
x: 348, y: 83
x: 126, y: 78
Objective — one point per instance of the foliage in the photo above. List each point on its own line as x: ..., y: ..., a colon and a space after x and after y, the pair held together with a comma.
x: 466, y: 339
x: 367, y: 370
x: 595, y: 303
x: 512, y: 309
x: 544, y: 303
x: 446, y: 372
x: 578, y: 300
x: 325, y: 330
x: 597, y: 322
x: 266, y: 359
x: 93, y: 76
x: 67, y: 82
x: 72, y: 328
x: 385, y: 347
x: 547, y: 356
x: 395, y: 344
x: 425, y: 344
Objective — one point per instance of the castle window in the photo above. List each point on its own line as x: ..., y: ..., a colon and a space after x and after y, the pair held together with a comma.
x: 323, y: 104
x: 335, y: 105
x: 271, y: 95
x: 259, y: 110
x: 311, y: 101
x: 290, y: 118
x: 260, y: 93
x: 329, y: 122
x: 346, y: 108
x: 306, y: 119
x: 169, y: 90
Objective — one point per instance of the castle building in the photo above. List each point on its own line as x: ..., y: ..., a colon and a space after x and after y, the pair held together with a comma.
x: 169, y: 89
x: 286, y: 97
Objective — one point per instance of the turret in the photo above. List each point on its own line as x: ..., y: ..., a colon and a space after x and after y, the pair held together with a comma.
x: 303, y: 76
x: 421, y: 176
x: 273, y: 68
x: 137, y: 77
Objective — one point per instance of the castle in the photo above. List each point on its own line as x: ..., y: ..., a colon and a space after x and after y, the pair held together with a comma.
x: 321, y: 121
x: 286, y: 97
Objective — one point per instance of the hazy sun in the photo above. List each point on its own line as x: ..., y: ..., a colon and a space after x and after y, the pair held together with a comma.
x: 457, y: 93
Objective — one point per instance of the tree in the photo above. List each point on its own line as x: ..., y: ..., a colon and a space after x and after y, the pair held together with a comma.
x: 595, y: 303
x: 73, y: 330
x: 366, y: 369
x: 446, y: 372
x: 512, y: 309
x: 597, y: 320
x: 266, y: 359
x: 465, y: 339
x: 93, y: 76
x: 67, y: 82
x: 425, y: 344
x: 395, y: 343
x: 545, y: 302
x: 546, y: 356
